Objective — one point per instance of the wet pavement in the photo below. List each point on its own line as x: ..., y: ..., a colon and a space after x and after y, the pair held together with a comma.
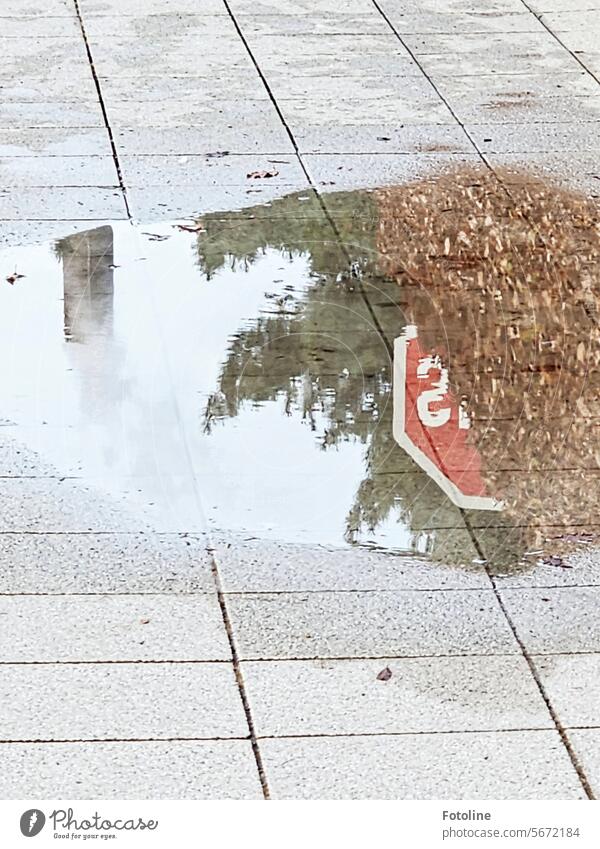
x: 298, y: 394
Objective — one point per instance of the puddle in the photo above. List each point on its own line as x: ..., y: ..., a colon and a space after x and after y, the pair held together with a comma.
x: 414, y: 370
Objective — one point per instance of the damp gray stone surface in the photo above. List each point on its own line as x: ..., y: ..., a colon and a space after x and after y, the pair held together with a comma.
x: 138, y: 703
x: 177, y: 769
x: 321, y: 697
x: 112, y: 628
x: 380, y: 624
x: 530, y: 764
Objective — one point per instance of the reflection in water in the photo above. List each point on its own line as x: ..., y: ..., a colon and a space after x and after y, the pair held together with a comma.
x: 502, y: 286
x: 253, y: 363
x: 88, y: 279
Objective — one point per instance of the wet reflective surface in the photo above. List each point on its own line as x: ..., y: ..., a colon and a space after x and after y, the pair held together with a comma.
x: 244, y: 374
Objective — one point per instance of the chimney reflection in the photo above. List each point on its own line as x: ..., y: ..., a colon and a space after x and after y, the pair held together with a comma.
x: 88, y: 278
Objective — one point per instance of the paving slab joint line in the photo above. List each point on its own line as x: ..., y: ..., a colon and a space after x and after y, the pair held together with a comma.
x: 102, y: 105
x: 415, y: 59
x: 534, y: 672
x: 539, y: 16
x: 169, y: 739
x: 445, y: 733
x: 269, y: 92
x: 240, y: 680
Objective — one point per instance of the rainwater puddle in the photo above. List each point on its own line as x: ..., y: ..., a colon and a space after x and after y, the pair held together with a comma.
x: 413, y: 369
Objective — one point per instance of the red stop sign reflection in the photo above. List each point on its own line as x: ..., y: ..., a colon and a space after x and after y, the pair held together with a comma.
x: 433, y: 427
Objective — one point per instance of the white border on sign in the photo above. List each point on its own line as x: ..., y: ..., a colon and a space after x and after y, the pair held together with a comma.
x: 467, y: 502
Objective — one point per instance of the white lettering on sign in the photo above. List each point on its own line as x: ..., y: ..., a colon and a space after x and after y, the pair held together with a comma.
x: 437, y: 393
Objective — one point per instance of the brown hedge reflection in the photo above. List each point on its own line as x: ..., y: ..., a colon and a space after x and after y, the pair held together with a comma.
x: 506, y: 281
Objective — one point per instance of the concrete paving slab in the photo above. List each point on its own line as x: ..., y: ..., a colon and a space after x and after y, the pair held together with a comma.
x: 55, y: 142
x: 183, y: 202
x: 559, y: 5
x: 120, y: 701
x: 265, y: 137
x: 311, y: 23
x: 329, y: 89
x: 454, y: 7
x: 111, y: 628
x: 351, y: 65
x: 591, y: 60
x: 511, y: 86
x: 198, y: 57
x: 583, y: 41
x: 80, y: 505
x: 361, y: 624
x: 523, y: 45
x: 572, y: 683
x: 312, y: 52
x: 216, y: 171
x: 299, y: 7
x: 382, y: 138
x: 41, y: 56
x: 32, y: 232
x: 158, y: 25
x: 326, y: 697
x: 104, y: 563
x: 501, y: 765
x: 223, y: 769
x: 394, y: 108
x: 514, y: 110
x: 353, y: 171
x: 64, y: 86
x: 151, y: 7
x: 586, y: 744
x: 479, y: 20
x: 36, y: 8
x: 40, y: 26
x: 556, y: 620
x: 42, y: 171
x: 574, y: 170
x: 213, y: 91
x: 528, y: 138
x: 50, y: 114
x: 265, y: 566
x: 254, y: 115
x: 487, y: 59
x: 586, y: 18
x: 49, y: 204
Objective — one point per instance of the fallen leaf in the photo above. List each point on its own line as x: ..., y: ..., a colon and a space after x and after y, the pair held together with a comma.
x: 144, y: 621
x: 385, y: 674
x: 261, y: 175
